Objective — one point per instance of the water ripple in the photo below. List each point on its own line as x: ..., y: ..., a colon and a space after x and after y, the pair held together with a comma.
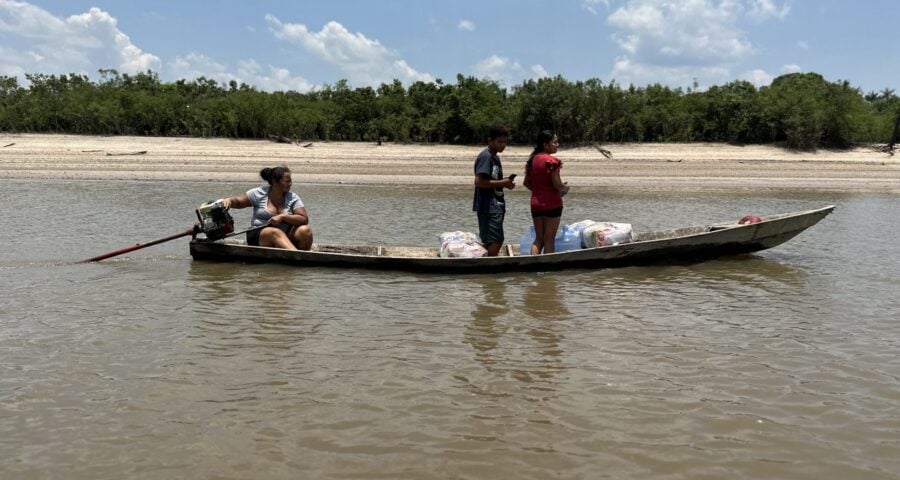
x: 776, y: 365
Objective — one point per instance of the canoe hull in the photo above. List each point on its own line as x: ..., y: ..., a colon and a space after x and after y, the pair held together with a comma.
x: 672, y: 246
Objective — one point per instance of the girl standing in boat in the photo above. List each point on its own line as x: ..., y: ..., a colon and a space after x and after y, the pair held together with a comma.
x: 278, y: 207
x: 547, y: 189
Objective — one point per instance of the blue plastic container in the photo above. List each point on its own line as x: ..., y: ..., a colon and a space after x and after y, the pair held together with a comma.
x: 526, y: 241
x: 567, y: 239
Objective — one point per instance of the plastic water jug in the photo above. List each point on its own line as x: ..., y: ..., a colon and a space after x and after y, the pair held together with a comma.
x: 526, y: 241
x: 567, y: 239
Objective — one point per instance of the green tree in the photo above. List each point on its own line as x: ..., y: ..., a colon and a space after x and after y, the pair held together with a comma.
x: 733, y: 114
x: 801, y: 110
x: 795, y: 109
x: 430, y: 111
x: 475, y: 105
x: 551, y: 103
x: 395, y: 113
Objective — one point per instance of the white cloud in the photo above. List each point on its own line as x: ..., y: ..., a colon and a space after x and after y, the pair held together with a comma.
x: 195, y: 65
x: 496, y: 68
x: 363, y: 60
x: 764, y: 9
x: 505, y: 71
x: 758, y: 77
x: 802, y: 44
x: 673, y: 32
x: 38, y: 41
x: 678, y: 41
x: 11, y: 62
x: 591, y: 5
x: 762, y: 78
x: 626, y: 71
x: 276, y: 79
x: 466, y: 25
x: 539, y: 71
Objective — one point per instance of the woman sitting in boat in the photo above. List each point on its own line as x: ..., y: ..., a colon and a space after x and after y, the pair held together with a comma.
x: 276, y: 206
x: 547, y: 189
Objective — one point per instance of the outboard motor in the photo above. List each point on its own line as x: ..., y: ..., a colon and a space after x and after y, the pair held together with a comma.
x: 215, y: 221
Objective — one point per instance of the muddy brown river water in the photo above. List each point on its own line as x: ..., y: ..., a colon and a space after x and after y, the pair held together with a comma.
x: 783, y: 364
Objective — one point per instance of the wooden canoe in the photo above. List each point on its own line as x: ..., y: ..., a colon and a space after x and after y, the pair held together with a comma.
x: 678, y: 245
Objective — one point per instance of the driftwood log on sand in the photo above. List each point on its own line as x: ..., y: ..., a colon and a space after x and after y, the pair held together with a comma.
x: 280, y: 139
x: 142, y: 152
x: 606, y: 153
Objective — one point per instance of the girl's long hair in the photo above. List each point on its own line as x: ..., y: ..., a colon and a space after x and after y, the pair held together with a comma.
x: 544, y: 137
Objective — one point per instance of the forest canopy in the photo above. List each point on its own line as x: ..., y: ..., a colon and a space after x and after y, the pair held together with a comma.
x: 799, y: 110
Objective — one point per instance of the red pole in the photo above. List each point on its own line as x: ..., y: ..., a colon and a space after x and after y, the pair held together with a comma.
x: 139, y: 246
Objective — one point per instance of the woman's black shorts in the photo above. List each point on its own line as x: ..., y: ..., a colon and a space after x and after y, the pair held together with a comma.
x: 555, y: 213
x: 253, y: 237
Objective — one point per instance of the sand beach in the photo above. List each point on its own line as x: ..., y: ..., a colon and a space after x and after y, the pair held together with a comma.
x: 668, y: 167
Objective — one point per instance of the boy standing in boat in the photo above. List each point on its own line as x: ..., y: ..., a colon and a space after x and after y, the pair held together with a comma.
x: 489, y: 184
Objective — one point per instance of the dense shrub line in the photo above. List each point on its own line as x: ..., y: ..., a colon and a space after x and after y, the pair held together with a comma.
x: 801, y: 110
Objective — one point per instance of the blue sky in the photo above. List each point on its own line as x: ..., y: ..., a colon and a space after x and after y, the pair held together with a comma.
x: 301, y: 45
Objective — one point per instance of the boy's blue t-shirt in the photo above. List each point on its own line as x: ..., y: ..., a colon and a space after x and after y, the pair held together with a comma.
x: 489, y: 200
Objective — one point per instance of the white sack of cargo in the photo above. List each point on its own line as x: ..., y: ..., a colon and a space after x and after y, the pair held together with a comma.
x: 579, y: 227
x: 460, y: 245
x: 458, y: 236
x: 457, y: 249
x: 602, y: 234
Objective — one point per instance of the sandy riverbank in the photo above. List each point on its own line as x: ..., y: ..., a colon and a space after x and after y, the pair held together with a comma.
x: 632, y: 166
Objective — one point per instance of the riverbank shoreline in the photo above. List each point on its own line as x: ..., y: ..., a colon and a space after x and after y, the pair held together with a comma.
x: 630, y: 167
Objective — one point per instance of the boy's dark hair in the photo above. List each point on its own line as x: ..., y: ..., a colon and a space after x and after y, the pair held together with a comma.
x: 497, y: 131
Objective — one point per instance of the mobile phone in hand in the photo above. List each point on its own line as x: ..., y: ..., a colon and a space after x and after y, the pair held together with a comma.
x: 512, y: 177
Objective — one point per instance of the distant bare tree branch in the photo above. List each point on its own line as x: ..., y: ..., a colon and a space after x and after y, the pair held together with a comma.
x: 606, y: 153
x: 891, y: 147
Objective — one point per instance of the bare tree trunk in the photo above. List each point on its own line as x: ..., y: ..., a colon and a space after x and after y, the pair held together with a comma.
x: 892, y: 143
x: 895, y: 136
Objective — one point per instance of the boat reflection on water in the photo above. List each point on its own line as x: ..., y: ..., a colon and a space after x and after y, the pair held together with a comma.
x: 724, y: 277
x: 545, y: 306
x: 513, y: 333
x: 213, y: 283
x: 484, y: 331
x: 259, y: 306
x: 544, y: 299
